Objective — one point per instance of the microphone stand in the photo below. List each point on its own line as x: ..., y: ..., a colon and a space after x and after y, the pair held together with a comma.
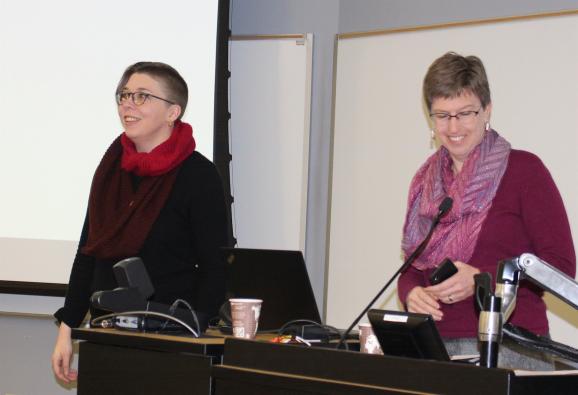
x: 444, y: 207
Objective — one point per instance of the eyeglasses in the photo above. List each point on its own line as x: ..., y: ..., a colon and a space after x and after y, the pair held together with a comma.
x: 138, y: 98
x: 443, y: 118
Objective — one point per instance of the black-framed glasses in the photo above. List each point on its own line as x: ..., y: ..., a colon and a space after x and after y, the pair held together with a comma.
x: 443, y: 118
x: 138, y: 98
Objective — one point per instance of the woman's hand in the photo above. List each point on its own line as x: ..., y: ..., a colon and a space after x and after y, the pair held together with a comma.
x: 458, y: 287
x: 62, y: 355
x: 420, y: 301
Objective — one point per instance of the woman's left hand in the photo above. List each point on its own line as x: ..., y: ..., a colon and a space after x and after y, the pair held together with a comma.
x: 458, y: 287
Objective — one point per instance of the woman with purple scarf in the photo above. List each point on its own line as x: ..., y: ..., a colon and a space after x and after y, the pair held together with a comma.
x: 505, y: 203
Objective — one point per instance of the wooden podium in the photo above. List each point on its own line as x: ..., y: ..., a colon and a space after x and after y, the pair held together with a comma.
x: 124, y: 363
x: 115, y: 362
x: 259, y: 368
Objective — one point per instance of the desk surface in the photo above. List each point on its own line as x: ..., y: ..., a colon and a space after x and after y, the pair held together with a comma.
x: 211, y: 344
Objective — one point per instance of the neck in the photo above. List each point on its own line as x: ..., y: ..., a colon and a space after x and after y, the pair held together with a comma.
x: 147, y: 145
x: 457, y: 165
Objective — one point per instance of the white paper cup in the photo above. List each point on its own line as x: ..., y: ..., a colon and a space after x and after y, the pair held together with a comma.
x: 245, y: 316
x: 368, y: 341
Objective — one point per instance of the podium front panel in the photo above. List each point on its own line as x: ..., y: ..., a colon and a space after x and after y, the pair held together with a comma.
x: 248, y: 359
x: 105, y: 369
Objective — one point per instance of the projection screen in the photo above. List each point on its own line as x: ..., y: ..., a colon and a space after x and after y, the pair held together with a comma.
x: 59, y: 65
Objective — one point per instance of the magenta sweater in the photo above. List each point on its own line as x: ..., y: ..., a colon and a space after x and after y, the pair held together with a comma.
x: 527, y: 215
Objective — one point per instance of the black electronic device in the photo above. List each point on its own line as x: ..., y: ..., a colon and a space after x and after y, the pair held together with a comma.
x: 409, y: 335
x: 444, y: 271
x: 278, y: 277
x: 133, y: 294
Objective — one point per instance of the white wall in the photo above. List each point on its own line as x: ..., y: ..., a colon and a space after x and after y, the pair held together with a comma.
x: 270, y: 96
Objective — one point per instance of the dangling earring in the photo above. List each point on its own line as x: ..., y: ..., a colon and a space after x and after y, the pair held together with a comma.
x: 432, y: 141
x: 487, y: 126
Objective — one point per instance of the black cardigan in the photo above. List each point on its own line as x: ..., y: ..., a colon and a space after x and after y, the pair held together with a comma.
x: 181, y: 252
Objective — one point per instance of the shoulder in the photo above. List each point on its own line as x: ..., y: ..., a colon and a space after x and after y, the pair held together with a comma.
x: 434, y: 160
x: 526, y: 170
x: 522, y: 163
x: 520, y: 157
x: 198, y: 176
x: 196, y: 159
x: 432, y: 164
x: 198, y: 166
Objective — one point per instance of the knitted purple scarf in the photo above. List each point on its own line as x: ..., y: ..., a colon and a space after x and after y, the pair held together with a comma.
x: 472, y: 190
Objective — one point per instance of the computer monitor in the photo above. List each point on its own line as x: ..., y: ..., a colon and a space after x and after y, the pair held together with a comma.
x: 405, y: 334
x: 278, y: 277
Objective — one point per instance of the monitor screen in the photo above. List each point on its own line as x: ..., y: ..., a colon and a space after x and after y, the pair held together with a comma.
x: 278, y: 277
x: 405, y: 334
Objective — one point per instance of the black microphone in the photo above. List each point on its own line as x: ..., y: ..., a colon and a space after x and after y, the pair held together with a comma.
x: 444, y: 207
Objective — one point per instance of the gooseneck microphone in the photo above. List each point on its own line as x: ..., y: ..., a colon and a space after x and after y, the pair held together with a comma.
x: 443, y: 208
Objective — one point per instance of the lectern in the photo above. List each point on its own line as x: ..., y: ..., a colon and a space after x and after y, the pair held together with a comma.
x: 115, y: 362
x: 259, y: 368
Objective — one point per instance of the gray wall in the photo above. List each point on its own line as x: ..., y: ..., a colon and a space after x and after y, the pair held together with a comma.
x: 319, y: 17
x: 363, y: 15
x: 26, y: 344
x: 325, y: 18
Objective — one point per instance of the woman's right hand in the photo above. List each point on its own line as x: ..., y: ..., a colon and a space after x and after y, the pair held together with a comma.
x: 419, y: 301
x: 62, y: 355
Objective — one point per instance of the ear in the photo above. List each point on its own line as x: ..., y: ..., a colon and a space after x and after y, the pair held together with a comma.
x: 174, y: 113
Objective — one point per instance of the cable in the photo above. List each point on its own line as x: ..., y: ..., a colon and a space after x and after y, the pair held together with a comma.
x: 95, y: 321
x: 281, y: 330
x: 528, y: 339
x: 182, y: 301
x: 328, y: 328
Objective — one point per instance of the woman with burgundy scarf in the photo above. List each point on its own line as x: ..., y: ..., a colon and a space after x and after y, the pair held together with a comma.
x: 505, y: 204
x: 152, y: 196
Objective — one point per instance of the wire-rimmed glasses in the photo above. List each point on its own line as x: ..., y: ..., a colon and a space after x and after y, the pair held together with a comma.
x: 442, y: 119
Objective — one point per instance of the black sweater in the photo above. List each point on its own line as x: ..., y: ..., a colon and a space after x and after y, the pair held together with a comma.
x: 181, y: 252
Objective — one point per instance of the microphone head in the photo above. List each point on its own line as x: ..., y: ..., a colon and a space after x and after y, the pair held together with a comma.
x: 445, y: 205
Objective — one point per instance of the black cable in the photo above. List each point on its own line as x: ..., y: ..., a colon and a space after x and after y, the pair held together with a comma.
x: 530, y: 340
x: 182, y: 301
x: 286, y: 325
x: 328, y: 328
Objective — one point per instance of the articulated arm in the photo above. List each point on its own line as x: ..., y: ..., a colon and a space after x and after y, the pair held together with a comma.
x: 496, y: 308
x: 539, y: 272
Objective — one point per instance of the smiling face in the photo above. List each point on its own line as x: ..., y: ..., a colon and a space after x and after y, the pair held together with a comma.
x: 149, y: 124
x: 460, y: 136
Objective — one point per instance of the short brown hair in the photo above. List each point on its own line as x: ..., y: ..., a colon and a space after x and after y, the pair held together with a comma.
x: 175, y: 85
x: 452, y: 75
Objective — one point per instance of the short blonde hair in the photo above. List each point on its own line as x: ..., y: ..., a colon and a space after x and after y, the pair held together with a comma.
x: 453, y: 75
x: 171, y: 80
